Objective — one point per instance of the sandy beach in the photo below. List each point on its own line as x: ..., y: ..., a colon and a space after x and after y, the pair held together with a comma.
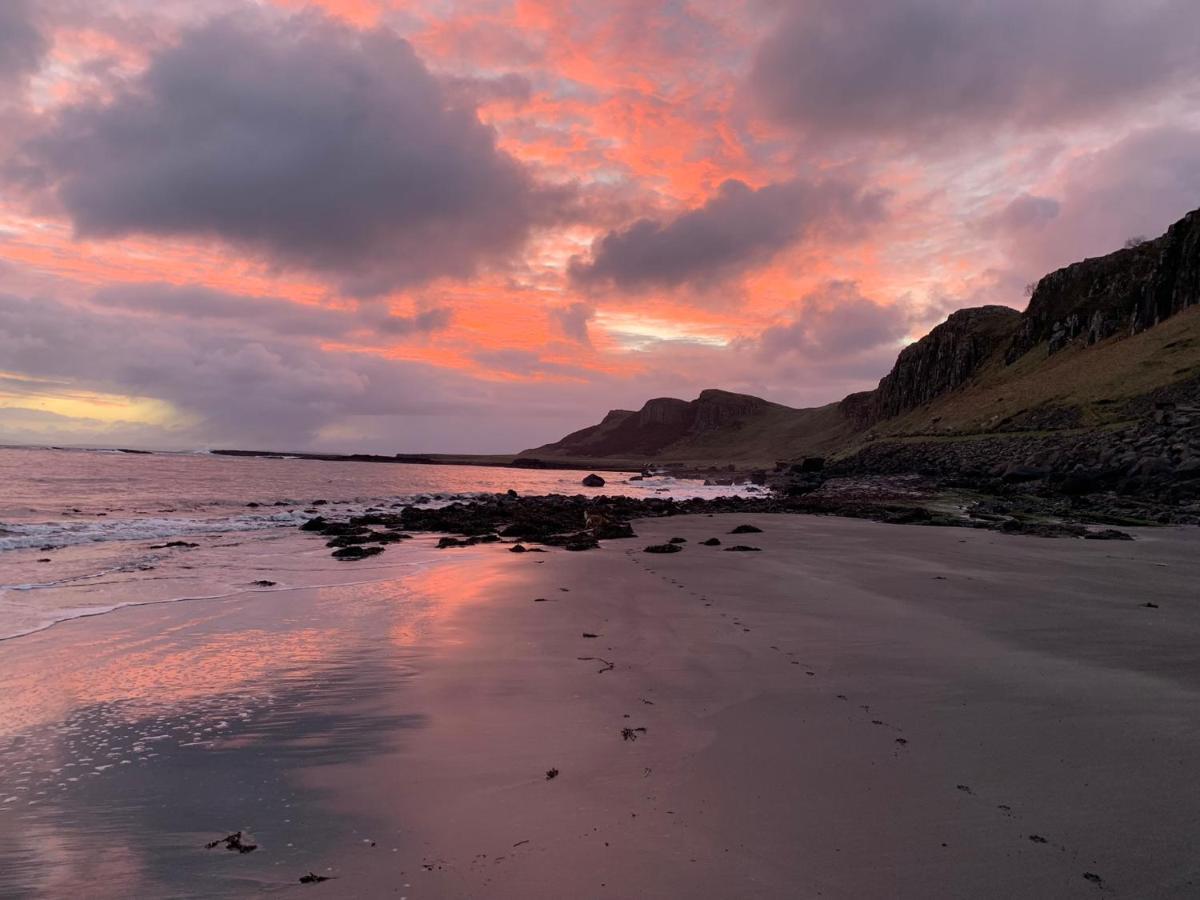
x: 858, y: 710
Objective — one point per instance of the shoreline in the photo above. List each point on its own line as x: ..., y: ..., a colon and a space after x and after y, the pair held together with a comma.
x: 395, y: 736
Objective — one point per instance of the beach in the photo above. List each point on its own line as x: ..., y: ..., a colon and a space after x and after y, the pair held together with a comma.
x: 856, y: 710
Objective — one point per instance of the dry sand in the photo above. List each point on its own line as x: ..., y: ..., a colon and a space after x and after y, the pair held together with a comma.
x: 859, y: 710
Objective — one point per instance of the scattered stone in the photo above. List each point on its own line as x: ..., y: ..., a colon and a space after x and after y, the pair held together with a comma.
x: 313, y: 878
x: 1038, y: 839
x: 263, y: 582
x: 551, y: 774
x: 171, y: 544
x: 1150, y: 605
x: 1093, y: 877
x: 677, y: 540
x: 663, y: 548
x: 742, y: 548
x: 632, y: 734
x: 588, y: 634
x: 518, y: 548
x: 712, y: 542
x: 593, y: 481
x: 237, y: 841
x: 747, y: 529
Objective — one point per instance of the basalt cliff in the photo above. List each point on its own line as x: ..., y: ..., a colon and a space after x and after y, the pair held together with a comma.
x: 1094, y: 386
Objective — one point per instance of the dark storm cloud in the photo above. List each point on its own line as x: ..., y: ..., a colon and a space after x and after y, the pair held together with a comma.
x: 916, y: 67
x: 312, y: 144
x: 22, y: 44
x: 738, y: 228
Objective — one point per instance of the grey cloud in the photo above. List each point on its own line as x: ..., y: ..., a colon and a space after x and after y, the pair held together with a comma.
x: 836, y: 322
x: 239, y: 385
x: 572, y: 320
x: 311, y: 144
x: 1027, y: 211
x: 1137, y: 186
x: 524, y: 362
x: 273, y: 315
x: 22, y: 44
x: 428, y: 320
x: 737, y: 229
x: 470, y: 90
x: 916, y: 68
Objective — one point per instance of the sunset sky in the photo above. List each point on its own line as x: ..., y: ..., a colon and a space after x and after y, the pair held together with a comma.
x: 385, y: 225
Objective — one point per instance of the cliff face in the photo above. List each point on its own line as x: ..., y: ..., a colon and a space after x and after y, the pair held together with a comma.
x: 943, y: 360
x: 1123, y: 293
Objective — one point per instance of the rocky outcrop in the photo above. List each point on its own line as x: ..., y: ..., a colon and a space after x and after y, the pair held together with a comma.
x: 1121, y: 293
x: 943, y: 360
x: 659, y: 423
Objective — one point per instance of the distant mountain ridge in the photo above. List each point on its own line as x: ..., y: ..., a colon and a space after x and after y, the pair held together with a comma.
x: 1090, y: 343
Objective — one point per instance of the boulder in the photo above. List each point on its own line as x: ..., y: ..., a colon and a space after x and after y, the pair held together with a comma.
x: 356, y: 552
x: 593, y: 480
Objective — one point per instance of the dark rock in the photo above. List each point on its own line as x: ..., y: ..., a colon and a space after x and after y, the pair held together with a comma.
x: 712, y: 542
x: 237, y: 842
x: 746, y: 529
x: 612, y: 531
x: 313, y: 878
x: 518, y: 548
x: 663, y: 548
x: 593, y: 481
x: 318, y: 523
x: 1108, y: 534
x: 356, y: 552
x: 171, y: 544
x: 677, y: 540
x: 263, y: 582
x: 1015, y: 473
x: 742, y: 548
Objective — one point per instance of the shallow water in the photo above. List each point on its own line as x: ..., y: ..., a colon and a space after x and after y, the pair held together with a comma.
x: 82, y: 532
x: 122, y: 755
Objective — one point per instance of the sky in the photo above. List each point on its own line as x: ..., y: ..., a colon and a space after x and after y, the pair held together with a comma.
x: 394, y: 226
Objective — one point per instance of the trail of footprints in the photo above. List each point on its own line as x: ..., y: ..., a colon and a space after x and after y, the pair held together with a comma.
x: 901, y: 743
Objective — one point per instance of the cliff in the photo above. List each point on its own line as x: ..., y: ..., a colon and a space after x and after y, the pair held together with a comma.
x: 1125, y: 292
x: 942, y: 361
x: 1097, y: 339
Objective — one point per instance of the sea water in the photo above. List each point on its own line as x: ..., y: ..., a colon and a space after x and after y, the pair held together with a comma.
x: 84, y: 532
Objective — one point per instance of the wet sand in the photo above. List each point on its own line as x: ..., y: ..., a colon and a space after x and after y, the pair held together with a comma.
x: 859, y: 710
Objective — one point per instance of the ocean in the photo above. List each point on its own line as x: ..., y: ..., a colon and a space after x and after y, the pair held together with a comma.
x: 86, y: 532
